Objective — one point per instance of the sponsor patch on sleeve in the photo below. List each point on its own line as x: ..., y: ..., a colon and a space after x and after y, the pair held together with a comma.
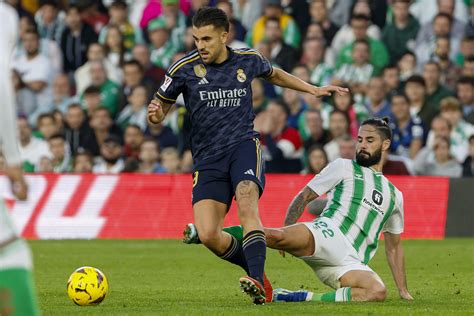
x: 166, y: 83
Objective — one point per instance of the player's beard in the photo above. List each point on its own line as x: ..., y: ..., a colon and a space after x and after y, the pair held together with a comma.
x: 367, y: 159
x: 111, y: 161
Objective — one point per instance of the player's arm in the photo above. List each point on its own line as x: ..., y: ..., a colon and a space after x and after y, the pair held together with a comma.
x: 281, y: 78
x: 157, y: 110
x: 396, y: 261
x: 298, y: 205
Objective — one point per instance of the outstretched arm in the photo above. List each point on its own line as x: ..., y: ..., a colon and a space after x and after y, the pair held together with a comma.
x: 396, y: 261
x: 283, y: 79
x: 298, y: 204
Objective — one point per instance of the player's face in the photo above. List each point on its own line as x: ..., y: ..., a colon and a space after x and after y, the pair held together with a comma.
x: 369, y: 146
x: 210, y: 42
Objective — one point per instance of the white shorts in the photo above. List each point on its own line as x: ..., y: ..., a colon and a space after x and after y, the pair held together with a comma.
x: 334, y: 256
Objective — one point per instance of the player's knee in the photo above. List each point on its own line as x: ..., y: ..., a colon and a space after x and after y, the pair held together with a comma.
x: 209, y: 238
x: 377, y: 293
x: 275, y: 238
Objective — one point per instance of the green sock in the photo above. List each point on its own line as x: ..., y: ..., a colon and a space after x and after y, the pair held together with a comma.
x: 17, y: 295
x: 340, y: 295
x: 236, y: 231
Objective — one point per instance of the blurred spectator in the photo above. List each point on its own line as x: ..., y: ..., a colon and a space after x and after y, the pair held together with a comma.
x: 313, y: 58
x: 95, y: 52
x: 83, y: 162
x: 391, y: 80
x: 162, y: 49
x: 460, y: 129
x: 91, y: 14
x: 232, y: 41
x: 259, y: 100
x: 465, y: 94
x: 468, y: 67
x: 133, y: 77
x: 358, y: 72
x: 435, y: 91
x: 154, y: 9
x: 35, y: 77
x: 396, y: 165
x: 295, y: 104
x: 467, y: 47
x: 103, y: 126
x: 317, y: 160
x: 149, y: 156
x: 50, y: 20
x: 45, y: 165
x: 175, y: 22
x: 110, y: 160
x: 141, y: 53
x: 415, y: 89
x: 282, y: 145
x: 299, y: 11
x: 441, y: 26
x: 376, y: 103
x: 314, y: 131
x: 47, y: 125
x: 170, y: 160
x: 109, y: 90
x: 61, y: 155
x: 437, y: 162
x: 468, y: 165
x: 91, y: 99
x: 62, y: 93
x: 357, y: 112
x: 338, y: 128
x: 425, y: 10
x: 378, y: 53
x: 400, y: 35
x: 237, y: 28
x: 162, y: 134
x: 114, y: 47
x: 136, y: 110
x: 133, y: 139
x: 408, y: 133
x: 347, y: 147
x: 31, y: 148
x: 77, y: 131
x: 290, y: 34
x: 75, y: 40
x: 319, y: 13
x: 407, y: 66
x: 119, y: 18
x: 449, y: 71
x: 186, y: 164
x: 281, y: 53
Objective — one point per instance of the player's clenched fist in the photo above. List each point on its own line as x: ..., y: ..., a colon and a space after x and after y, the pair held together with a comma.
x: 155, y: 112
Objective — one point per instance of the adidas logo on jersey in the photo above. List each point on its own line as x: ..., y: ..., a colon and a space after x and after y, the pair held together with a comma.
x: 203, y: 81
x: 250, y: 171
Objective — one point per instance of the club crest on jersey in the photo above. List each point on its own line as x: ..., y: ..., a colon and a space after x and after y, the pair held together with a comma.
x: 377, y: 197
x: 200, y: 70
x: 241, y: 76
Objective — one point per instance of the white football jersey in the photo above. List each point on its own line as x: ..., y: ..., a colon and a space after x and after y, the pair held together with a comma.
x: 362, y: 202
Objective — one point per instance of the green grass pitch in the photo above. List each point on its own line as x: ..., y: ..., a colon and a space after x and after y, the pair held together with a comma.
x: 166, y: 277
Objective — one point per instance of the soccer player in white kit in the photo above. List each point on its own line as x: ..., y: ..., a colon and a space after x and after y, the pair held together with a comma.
x: 339, y: 244
x: 17, y: 295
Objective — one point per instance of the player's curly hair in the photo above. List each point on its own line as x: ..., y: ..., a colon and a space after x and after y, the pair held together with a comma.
x: 382, y: 125
x: 211, y: 16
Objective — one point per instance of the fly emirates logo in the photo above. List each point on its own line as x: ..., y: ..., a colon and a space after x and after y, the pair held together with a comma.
x: 223, y: 98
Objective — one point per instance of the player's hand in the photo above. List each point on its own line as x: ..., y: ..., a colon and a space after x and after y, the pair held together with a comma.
x: 282, y: 253
x: 405, y: 295
x: 329, y: 90
x: 17, y: 182
x: 155, y: 112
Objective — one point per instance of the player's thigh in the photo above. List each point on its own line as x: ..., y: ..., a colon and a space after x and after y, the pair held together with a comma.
x: 247, y: 164
x: 209, y: 216
x: 368, y: 280
x: 296, y: 239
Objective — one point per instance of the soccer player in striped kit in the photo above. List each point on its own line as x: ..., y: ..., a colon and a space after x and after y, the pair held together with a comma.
x: 215, y: 82
x: 17, y: 295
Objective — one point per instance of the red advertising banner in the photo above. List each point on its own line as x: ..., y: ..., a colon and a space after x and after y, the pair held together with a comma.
x: 158, y: 206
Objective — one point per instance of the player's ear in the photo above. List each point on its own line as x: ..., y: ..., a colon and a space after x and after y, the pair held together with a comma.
x: 386, y: 144
x: 224, y: 37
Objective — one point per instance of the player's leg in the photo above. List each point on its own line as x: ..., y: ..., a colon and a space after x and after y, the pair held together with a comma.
x: 364, y: 285
x: 212, y: 195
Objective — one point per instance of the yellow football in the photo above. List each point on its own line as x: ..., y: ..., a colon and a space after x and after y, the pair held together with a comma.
x: 87, y: 286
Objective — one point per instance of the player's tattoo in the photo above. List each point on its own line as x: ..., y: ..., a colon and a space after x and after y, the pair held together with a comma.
x: 298, y: 204
x: 244, y: 188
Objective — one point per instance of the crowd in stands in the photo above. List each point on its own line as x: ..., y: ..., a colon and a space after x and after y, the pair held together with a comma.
x: 84, y: 72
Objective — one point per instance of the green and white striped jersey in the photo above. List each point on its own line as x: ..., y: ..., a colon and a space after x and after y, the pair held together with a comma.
x: 362, y: 202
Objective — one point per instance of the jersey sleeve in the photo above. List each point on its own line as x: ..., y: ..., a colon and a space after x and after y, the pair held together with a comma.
x: 328, y: 178
x: 263, y: 67
x: 171, y: 87
x: 394, y: 224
